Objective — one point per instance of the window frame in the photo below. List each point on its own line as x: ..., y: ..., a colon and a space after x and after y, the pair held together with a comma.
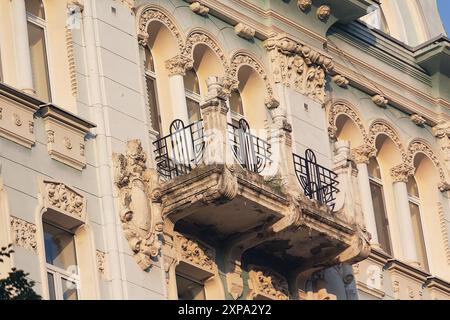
x: 152, y: 75
x: 192, y: 279
x: 42, y: 23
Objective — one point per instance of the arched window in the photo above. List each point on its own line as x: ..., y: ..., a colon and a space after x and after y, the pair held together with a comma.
x: 192, y: 89
x: 414, y: 207
x: 150, y: 77
x: 236, y: 106
x: 38, y: 48
x: 61, y: 262
x: 379, y: 207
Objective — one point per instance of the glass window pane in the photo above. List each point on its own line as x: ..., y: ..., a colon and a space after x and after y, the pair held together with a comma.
x: 149, y: 64
x: 418, y: 234
x: 191, y: 82
x: 153, y: 105
x: 189, y: 290
x: 69, y: 289
x: 59, y: 247
x: 236, y: 103
x: 413, y: 190
x: 35, y: 7
x: 36, y: 37
x: 193, y: 110
x: 380, y: 217
x: 374, y: 168
x: 51, y: 286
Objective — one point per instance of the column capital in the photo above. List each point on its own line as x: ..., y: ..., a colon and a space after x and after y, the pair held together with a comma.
x: 363, y: 153
x: 402, y: 172
x: 179, y: 64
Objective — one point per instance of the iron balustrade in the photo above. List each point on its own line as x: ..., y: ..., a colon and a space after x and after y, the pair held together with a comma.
x: 318, y: 182
x: 181, y: 150
x: 251, y: 152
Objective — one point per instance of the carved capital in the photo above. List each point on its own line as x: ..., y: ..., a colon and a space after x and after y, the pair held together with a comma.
x: 363, y: 153
x: 140, y: 217
x: 179, y: 64
x: 402, y: 172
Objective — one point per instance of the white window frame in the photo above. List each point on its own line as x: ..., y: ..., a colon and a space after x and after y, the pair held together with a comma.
x: 152, y: 75
x: 194, y: 97
x: 59, y: 273
x: 416, y: 200
x: 41, y: 23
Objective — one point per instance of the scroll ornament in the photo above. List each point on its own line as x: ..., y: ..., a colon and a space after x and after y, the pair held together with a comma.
x: 140, y: 216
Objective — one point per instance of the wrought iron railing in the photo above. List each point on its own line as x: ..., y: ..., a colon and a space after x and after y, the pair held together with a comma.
x: 318, y: 182
x: 181, y: 150
x: 251, y: 152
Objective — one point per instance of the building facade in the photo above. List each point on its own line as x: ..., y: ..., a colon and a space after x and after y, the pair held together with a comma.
x: 226, y: 149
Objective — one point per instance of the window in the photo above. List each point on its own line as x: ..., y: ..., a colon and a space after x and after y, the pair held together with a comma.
x: 61, y: 263
x: 379, y: 208
x: 193, y: 98
x: 38, y: 48
x: 189, y: 289
x: 236, y: 107
x: 414, y: 207
x: 150, y: 78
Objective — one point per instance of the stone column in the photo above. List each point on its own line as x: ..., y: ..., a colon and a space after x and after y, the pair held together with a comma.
x: 22, y: 47
x: 362, y: 155
x: 400, y: 176
x: 214, y: 112
x: 177, y: 67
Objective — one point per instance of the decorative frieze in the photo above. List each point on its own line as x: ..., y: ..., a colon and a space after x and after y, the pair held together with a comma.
x: 304, y: 5
x: 65, y: 136
x: 265, y: 283
x: 244, y: 31
x: 179, y: 64
x: 63, y: 199
x: 380, y: 101
x: 324, y: 12
x: 140, y: 216
x: 299, y: 66
x: 196, y: 253
x: 24, y: 233
x: 418, y: 120
x: 199, y: 9
x: 16, y: 116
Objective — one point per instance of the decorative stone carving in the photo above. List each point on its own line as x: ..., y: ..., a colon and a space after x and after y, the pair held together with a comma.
x: 71, y: 59
x: 442, y: 129
x: 197, y: 37
x: 304, y: 5
x: 380, y: 101
x: 196, y: 253
x: 339, y: 108
x: 418, y: 120
x: 244, y: 31
x: 268, y: 284
x: 341, y: 81
x: 63, y: 199
x: 298, y: 66
x: 179, y: 65
x: 24, y: 233
x: 402, y: 172
x: 324, y: 12
x: 381, y: 127
x: 101, y: 262
x: 407, y: 281
x: 149, y: 14
x: 243, y: 59
x: 444, y: 231
x: 141, y: 218
x: 199, y: 9
x: 13, y: 114
x: 65, y: 134
x: 363, y: 153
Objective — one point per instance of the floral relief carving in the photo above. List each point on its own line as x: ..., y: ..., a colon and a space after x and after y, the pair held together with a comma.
x: 179, y: 65
x: 265, y: 282
x: 363, y: 153
x: 339, y: 108
x: 298, y: 66
x: 402, y: 172
x: 101, y: 262
x: 24, y: 233
x: 380, y: 127
x: 196, y: 253
x: 197, y: 37
x: 17, y: 120
x: 140, y: 216
x: 65, y: 199
x: 150, y: 14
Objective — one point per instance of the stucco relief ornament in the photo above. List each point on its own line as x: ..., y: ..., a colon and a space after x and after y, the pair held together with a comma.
x: 60, y: 197
x: 179, y: 64
x: 363, y: 153
x: 264, y: 281
x: 341, y: 81
x: 304, y: 5
x: 197, y: 254
x: 244, y: 31
x: 380, y: 101
x: 402, y: 172
x: 199, y: 9
x: 324, y: 12
x: 418, y: 120
x: 140, y: 216
x: 24, y: 233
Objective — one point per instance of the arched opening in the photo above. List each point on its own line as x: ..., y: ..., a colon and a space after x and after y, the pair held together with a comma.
x: 152, y: 96
x: 193, y: 98
x: 37, y: 38
x: 348, y: 131
x: 162, y: 45
x: 206, y: 64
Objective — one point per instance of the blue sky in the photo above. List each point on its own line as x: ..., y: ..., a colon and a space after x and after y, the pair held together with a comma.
x: 444, y: 8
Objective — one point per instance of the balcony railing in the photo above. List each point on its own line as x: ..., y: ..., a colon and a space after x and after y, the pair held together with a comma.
x: 251, y: 152
x: 318, y: 183
x: 181, y: 150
